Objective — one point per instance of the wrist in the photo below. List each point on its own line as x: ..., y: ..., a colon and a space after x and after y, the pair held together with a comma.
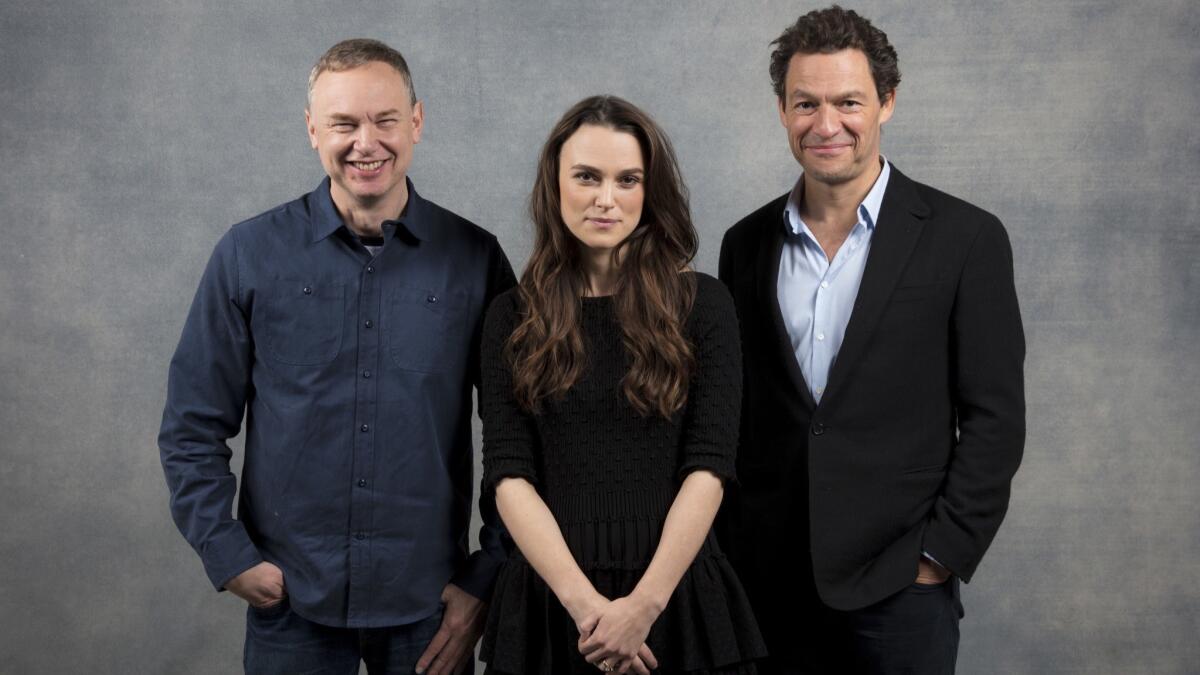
x: 578, y: 600
x: 648, y: 601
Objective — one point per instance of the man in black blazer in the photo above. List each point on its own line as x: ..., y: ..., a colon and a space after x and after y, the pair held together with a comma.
x: 884, y: 412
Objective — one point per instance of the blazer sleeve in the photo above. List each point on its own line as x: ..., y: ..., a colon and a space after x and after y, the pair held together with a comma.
x: 987, y: 353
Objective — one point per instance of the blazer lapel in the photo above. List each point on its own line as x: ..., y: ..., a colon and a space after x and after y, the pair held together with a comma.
x: 896, y: 234
x: 768, y: 293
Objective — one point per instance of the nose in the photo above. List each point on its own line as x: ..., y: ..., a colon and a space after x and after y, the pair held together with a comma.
x: 604, y: 195
x: 364, y: 138
x: 827, y: 124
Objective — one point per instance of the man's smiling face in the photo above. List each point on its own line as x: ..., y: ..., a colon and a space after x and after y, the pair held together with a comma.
x: 363, y: 125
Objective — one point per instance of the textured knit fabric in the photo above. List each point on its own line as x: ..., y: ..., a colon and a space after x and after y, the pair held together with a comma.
x: 609, y: 476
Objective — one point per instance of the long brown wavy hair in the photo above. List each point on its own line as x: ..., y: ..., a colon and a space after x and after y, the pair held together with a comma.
x: 652, y: 298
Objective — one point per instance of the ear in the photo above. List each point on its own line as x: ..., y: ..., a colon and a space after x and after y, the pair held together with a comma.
x: 418, y: 121
x: 312, y: 129
x: 782, y: 111
x: 887, y: 107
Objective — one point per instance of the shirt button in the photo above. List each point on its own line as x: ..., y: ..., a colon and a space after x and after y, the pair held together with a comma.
x: 820, y: 336
x: 367, y: 374
x: 368, y: 323
x: 365, y: 428
x: 362, y: 482
x: 824, y: 284
x: 431, y: 298
x: 370, y: 269
x: 818, y: 429
x: 360, y: 536
x: 308, y: 290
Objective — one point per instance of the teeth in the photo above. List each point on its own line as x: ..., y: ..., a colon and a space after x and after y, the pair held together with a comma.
x: 368, y: 166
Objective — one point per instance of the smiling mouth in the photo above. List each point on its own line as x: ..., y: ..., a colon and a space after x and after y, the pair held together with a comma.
x: 368, y: 166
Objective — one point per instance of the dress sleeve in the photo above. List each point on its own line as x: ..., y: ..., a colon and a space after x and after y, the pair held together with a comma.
x: 510, y: 446
x: 714, y: 405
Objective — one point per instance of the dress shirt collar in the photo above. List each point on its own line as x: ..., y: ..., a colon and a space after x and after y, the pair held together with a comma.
x: 414, y: 218
x: 868, y: 210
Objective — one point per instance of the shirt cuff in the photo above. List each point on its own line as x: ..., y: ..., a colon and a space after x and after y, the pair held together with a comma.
x: 229, y: 554
x: 477, y: 575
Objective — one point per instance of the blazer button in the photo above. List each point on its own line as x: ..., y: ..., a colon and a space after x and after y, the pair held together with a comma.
x: 818, y: 429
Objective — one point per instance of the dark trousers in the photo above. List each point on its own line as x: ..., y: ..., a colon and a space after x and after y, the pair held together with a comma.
x: 280, y: 641
x: 913, y: 632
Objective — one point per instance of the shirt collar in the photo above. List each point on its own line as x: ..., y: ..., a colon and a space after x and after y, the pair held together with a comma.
x: 414, y: 218
x: 868, y: 210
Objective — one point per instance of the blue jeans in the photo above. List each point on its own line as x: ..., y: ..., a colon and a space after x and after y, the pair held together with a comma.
x: 280, y: 641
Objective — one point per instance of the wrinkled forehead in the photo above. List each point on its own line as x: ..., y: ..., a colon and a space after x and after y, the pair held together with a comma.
x: 377, y: 79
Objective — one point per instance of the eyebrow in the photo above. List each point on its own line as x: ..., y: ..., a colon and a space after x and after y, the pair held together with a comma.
x: 853, y: 93
x: 593, y: 169
x: 343, y: 117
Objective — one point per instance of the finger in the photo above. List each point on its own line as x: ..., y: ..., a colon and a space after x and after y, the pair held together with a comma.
x: 447, y: 660
x: 596, y: 656
x: 588, y: 624
x: 646, y: 655
x: 639, y: 667
x: 590, y: 645
x: 435, y: 647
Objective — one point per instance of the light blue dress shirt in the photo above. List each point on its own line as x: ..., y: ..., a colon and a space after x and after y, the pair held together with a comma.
x: 816, y: 295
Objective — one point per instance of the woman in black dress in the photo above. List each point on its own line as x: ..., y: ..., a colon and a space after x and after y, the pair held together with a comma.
x: 610, y: 400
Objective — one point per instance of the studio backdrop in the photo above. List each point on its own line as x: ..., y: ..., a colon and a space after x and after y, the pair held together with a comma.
x: 133, y: 134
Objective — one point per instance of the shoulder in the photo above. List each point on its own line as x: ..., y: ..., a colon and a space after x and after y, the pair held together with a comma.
x: 956, y: 215
x: 503, y: 312
x: 459, y: 228
x: 761, y: 217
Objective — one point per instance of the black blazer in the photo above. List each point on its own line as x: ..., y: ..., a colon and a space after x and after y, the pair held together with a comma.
x: 922, y: 423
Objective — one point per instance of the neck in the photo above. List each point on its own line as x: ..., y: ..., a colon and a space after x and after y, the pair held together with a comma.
x: 601, y: 273
x: 365, y: 217
x: 836, y: 205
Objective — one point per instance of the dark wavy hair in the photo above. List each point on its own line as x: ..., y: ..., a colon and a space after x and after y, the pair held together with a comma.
x: 652, y: 298
x: 825, y: 31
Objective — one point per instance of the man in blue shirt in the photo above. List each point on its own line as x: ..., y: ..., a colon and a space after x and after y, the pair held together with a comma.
x: 884, y: 411
x: 345, y: 324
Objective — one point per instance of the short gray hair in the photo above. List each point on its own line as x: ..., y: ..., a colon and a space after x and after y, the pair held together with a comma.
x: 349, y: 54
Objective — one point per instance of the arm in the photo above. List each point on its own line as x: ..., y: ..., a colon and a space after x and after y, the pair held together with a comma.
x: 478, y: 573
x: 624, y: 623
x: 465, y: 597
x: 987, y: 355
x: 206, y: 396
x: 537, y: 534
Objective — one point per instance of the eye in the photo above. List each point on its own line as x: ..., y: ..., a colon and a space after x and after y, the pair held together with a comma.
x: 851, y: 104
x: 342, y: 126
x: 387, y: 123
x: 804, y: 106
x: 585, y: 176
x: 629, y: 180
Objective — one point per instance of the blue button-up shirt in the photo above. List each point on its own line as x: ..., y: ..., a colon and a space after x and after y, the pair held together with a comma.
x: 816, y: 294
x: 354, y: 372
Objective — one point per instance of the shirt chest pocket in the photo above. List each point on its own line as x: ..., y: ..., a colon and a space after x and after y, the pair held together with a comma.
x: 302, y: 322
x: 425, y: 330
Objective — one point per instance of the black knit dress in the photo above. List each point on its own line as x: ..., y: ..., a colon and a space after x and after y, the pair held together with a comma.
x: 609, y: 476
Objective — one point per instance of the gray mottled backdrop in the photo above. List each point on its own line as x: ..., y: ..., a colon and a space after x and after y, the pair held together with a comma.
x: 133, y: 134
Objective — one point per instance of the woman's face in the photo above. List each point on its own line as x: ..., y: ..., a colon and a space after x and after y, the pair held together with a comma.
x: 601, y: 186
